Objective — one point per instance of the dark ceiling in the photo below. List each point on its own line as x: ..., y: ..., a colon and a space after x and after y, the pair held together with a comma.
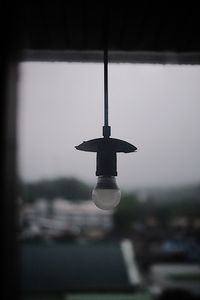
x: 140, y: 28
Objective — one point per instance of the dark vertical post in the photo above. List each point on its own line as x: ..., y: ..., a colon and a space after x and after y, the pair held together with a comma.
x: 11, y: 47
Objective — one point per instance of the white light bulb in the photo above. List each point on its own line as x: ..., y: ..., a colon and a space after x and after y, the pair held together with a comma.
x: 106, y: 194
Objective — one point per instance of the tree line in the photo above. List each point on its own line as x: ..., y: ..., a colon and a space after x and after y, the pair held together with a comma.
x: 66, y: 188
x: 130, y: 209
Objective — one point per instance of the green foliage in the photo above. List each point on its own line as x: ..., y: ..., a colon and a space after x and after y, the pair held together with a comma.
x: 126, y: 212
x: 131, y: 210
x: 66, y: 188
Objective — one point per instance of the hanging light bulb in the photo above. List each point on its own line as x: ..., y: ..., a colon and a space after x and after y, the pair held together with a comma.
x: 106, y: 194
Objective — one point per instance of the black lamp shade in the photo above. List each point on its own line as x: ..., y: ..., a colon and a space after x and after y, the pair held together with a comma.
x: 106, y: 149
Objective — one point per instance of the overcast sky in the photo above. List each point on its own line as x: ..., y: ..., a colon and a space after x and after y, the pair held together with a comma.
x: 154, y: 107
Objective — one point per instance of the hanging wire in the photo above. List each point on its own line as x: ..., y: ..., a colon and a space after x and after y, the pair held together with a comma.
x: 106, y: 127
x: 105, y: 87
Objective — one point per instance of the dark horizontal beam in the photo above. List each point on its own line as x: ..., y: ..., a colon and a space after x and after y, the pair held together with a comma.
x: 192, y: 58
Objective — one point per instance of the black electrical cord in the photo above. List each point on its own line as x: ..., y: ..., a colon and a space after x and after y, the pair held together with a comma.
x: 106, y: 127
x: 105, y: 87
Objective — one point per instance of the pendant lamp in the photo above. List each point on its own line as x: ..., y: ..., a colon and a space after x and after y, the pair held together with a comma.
x: 106, y: 194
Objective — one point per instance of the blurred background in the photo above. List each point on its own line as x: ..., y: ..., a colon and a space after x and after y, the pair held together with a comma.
x: 149, y: 245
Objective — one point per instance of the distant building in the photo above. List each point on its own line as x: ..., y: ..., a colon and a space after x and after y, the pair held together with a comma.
x: 83, y: 214
x: 65, y: 216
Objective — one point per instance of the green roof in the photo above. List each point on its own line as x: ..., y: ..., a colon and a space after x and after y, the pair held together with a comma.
x: 68, y: 267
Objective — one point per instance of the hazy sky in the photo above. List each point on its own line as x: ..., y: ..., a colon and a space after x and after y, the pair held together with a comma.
x: 155, y: 107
